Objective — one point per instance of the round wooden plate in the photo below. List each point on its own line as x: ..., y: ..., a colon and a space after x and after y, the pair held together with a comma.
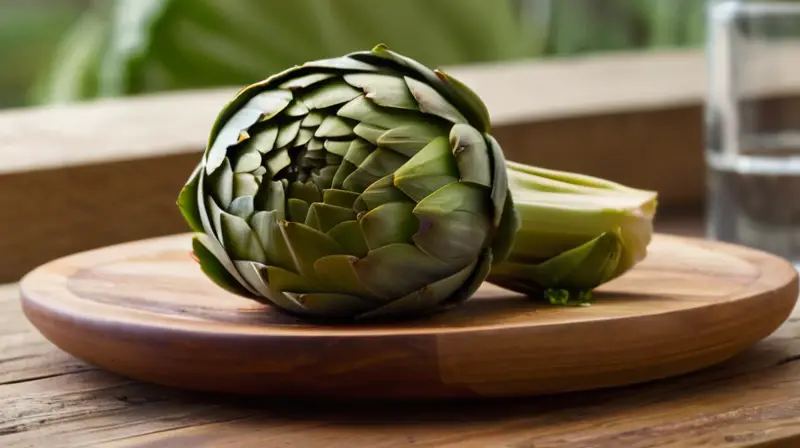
x: 145, y: 310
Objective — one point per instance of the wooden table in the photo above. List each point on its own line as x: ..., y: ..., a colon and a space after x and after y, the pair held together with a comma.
x: 49, y: 399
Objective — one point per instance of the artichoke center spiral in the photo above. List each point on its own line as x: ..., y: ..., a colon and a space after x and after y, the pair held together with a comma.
x: 345, y: 188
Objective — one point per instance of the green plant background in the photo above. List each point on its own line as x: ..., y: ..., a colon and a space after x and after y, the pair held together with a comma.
x: 68, y: 50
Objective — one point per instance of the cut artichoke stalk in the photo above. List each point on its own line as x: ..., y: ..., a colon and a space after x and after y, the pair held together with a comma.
x: 352, y: 188
x: 577, y: 232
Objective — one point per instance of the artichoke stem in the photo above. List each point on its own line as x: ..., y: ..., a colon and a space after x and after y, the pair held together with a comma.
x: 576, y: 233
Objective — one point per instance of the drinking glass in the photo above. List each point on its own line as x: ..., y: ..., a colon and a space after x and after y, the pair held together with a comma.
x: 753, y: 125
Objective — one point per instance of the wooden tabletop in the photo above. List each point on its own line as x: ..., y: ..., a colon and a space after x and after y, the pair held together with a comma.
x: 49, y: 399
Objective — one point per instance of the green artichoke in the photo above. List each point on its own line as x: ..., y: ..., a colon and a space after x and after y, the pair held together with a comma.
x: 576, y: 232
x: 352, y: 188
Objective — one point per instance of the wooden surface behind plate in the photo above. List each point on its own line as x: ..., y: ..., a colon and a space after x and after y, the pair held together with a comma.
x: 144, y: 310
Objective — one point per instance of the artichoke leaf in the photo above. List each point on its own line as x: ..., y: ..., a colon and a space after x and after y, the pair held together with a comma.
x: 274, y: 293
x: 431, y: 102
x: 277, y: 161
x: 271, y: 196
x: 396, y: 270
x: 240, y: 240
x: 244, y: 184
x: 380, y: 192
x: 301, y: 82
x: 342, y: 63
x: 409, y: 139
x: 249, y: 271
x: 426, y: 298
x: 264, y: 139
x: 364, y: 110
x: 287, y: 134
x: 221, y: 184
x: 338, y: 147
x: 344, y: 170
x: 263, y: 105
x: 369, y: 133
x: 187, y: 201
x: 338, y: 275
x: 280, y: 279
x: 474, y: 281
x: 244, y: 158
x: 429, y: 170
x: 454, y: 223
x: 242, y: 207
x: 306, y: 191
x: 582, y: 268
x: 467, y: 96
x: 472, y: 155
x: 306, y: 246
x: 330, y: 94
x: 313, y: 119
x: 217, y: 265
x: 296, y: 108
x: 389, y: 223
x: 341, y: 198
x: 334, y: 126
x: 265, y: 225
x: 297, y: 209
x: 349, y: 235
x: 326, y: 216
x: 384, y: 90
x: 303, y: 137
x: 510, y: 223
x: 330, y: 305
x: 500, y: 185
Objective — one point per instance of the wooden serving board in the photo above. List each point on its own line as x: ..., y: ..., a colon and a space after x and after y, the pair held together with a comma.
x: 145, y: 310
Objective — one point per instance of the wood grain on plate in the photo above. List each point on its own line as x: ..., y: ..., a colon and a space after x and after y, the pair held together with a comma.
x: 145, y: 310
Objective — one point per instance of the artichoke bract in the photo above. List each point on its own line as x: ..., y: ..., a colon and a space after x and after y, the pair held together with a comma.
x: 352, y: 188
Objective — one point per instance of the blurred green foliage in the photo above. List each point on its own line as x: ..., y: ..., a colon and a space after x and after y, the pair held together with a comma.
x: 68, y: 50
x: 29, y: 33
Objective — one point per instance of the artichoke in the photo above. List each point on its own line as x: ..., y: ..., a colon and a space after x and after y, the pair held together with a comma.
x: 352, y: 188
x: 577, y: 232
